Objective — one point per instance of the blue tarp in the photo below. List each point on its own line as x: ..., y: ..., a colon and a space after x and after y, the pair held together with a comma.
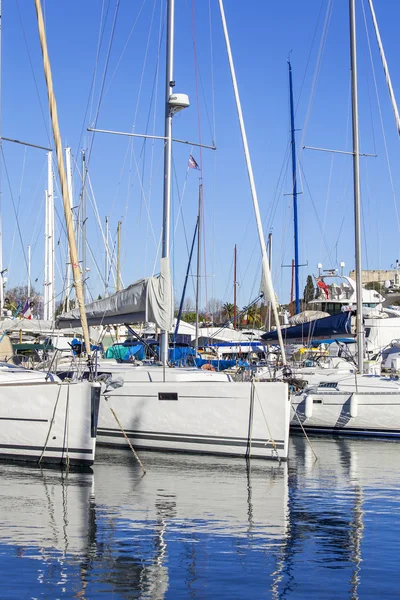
x: 181, y: 355
x: 218, y: 365
x: 328, y: 327
x: 121, y: 352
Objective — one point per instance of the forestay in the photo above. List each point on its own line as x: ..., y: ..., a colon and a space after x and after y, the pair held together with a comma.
x: 149, y: 299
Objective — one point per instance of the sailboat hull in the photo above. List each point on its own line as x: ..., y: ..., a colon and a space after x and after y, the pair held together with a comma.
x: 368, y: 407
x: 49, y: 422
x: 200, y: 417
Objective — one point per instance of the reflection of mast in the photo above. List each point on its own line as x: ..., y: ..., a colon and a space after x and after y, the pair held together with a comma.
x: 356, y: 535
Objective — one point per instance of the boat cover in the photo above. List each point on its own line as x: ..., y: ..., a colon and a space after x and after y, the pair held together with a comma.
x: 148, y: 299
x: 327, y: 327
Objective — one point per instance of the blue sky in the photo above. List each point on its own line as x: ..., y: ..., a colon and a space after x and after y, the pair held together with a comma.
x: 123, y: 173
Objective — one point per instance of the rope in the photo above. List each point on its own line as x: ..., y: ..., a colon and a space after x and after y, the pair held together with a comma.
x: 271, y: 439
x: 304, y: 431
x: 63, y: 178
x: 127, y: 439
x: 51, y: 425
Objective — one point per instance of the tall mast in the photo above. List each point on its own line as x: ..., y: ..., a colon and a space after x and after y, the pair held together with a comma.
x: 234, y: 287
x: 29, y: 273
x: 106, y: 267
x: 294, y: 187
x: 1, y: 142
x: 266, y: 273
x: 270, y: 268
x: 198, y: 271
x: 385, y: 68
x: 118, y: 286
x: 63, y: 179
x: 48, y: 295
x: 50, y: 195
x: 356, y: 184
x: 83, y: 225
x: 71, y: 201
x: 169, y: 85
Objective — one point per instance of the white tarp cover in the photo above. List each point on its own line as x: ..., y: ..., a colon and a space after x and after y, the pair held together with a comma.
x: 38, y: 326
x: 306, y: 316
x: 148, y: 299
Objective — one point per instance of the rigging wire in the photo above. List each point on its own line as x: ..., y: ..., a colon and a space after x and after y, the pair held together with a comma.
x: 381, y: 122
x: 131, y: 140
x: 316, y: 214
x: 321, y: 49
x: 126, y: 44
x: 114, y: 23
x: 33, y: 73
x: 90, y: 99
x: 18, y: 206
x: 203, y: 228
x: 214, y: 137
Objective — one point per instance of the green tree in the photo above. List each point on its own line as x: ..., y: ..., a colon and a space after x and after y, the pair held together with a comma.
x: 309, y: 290
x: 374, y: 285
x: 254, y: 316
x: 16, y: 297
x: 228, y: 310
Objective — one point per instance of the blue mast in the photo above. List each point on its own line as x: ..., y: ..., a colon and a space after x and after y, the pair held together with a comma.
x: 294, y: 178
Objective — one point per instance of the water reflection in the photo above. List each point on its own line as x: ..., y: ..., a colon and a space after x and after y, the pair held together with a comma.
x: 200, y: 528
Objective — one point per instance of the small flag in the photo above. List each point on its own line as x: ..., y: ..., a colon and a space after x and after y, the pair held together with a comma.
x: 192, y: 163
x: 322, y: 285
x: 26, y: 311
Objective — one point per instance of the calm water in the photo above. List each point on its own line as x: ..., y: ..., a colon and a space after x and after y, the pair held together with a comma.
x: 206, y: 528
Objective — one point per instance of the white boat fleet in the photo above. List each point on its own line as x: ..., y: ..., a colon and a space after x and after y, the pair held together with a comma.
x: 57, y: 415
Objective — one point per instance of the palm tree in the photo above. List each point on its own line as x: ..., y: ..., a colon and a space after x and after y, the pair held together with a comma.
x: 228, y: 310
x: 253, y: 316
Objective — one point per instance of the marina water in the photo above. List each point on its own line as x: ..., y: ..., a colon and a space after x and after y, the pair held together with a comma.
x: 206, y: 527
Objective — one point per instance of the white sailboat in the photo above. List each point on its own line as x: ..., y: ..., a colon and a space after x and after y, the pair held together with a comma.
x: 355, y: 403
x: 187, y: 410
x: 43, y: 419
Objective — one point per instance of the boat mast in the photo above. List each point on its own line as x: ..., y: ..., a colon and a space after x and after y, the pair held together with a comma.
x: 385, y: 68
x: 83, y: 226
x: 234, y: 287
x: 356, y: 184
x: 106, y: 262
x: 294, y: 187
x: 69, y: 183
x: 1, y: 142
x: 63, y: 179
x: 266, y: 273
x: 169, y: 85
x: 29, y: 273
x: 198, y: 270
x: 118, y: 285
x: 48, y: 296
x: 270, y: 268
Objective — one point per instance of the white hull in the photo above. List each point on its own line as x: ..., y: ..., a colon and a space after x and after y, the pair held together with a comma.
x: 206, y: 416
x: 52, y: 422
x: 361, y: 405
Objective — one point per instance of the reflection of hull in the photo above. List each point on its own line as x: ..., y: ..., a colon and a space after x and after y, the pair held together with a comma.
x: 207, y: 494
x: 355, y: 405
x: 44, y: 513
x: 202, y: 417
x: 347, y: 461
x: 54, y: 422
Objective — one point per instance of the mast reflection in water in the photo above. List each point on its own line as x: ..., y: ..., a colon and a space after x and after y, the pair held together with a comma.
x: 205, y: 528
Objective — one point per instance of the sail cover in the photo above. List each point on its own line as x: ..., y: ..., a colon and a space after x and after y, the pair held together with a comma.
x: 148, y: 299
x: 328, y: 327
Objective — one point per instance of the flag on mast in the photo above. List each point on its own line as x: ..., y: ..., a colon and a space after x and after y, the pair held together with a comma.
x: 192, y: 163
x: 26, y: 310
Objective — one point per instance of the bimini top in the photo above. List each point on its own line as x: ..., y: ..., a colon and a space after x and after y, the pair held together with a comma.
x: 148, y: 299
x: 328, y: 327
